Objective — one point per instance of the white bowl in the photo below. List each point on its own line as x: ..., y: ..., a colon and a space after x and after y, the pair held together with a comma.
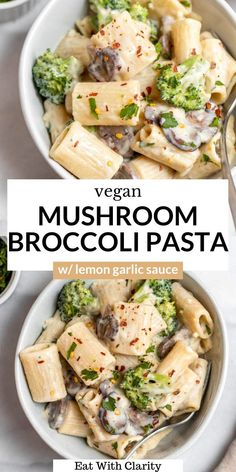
x: 179, y: 440
x: 11, y: 11
x: 11, y: 286
x: 217, y: 16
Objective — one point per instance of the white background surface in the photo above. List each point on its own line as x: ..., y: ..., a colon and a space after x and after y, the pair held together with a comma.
x: 20, y: 447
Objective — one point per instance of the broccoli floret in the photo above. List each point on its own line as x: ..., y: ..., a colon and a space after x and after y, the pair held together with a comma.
x: 143, y: 388
x: 75, y: 299
x: 184, y: 85
x: 159, y: 292
x: 104, y: 11
x: 54, y: 76
x: 139, y: 12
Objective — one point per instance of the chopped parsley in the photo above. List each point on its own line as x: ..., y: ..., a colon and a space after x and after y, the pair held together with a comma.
x: 89, y: 374
x: 5, y: 274
x: 79, y: 96
x: 115, y: 375
x: 170, y: 121
x: 70, y: 350
x: 185, y: 3
x: 158, y: 48
x: 215, y: 123
x: 142, y: 144
x: 219, y: 83
x: 147, y: 428
x: 109, y: 403
x: 93, y: 107
x: 150, y: 349
x: 145, y: 365
x: 129, y: 111
x: 168, y: 407
x: 115, y: 446
x: 205, y: 158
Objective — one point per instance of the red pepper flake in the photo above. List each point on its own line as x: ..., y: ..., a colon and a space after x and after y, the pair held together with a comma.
x: 122, y: 85
x: 218, y: 112
x: 93, y: 94
x: 194, y: 52
x: 171, y: 373
x: 116, y: 367
x: 122, y: 307
x: 107, y: 109
x: 175, y: 68
x: 117, y: 345
x: 176, y: 392
x: 41, y: 362
x: 146, y: 374
x: 197, y: 381
x: 101, y: 369
x: 115, y: 45
x: 160, y: 167
x: 102, y: 32
x: 139, y: 49
x: 122, y: 368
x: 123, y: 323
x: 103, y: 353
x: 128, y: 69
x: 208, y: 105
x: 79, y: 340
x: 78, y: 358
x: 213, y: 65
x: 149, y: 90
x: 76, y: 144
x: 134, y: 341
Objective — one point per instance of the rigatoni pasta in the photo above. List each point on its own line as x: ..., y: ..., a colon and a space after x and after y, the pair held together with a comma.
x: 125, y: 367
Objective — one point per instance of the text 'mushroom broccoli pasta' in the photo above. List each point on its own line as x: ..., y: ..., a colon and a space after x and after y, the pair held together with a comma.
x: 135, y: 90
x: 118, y: 359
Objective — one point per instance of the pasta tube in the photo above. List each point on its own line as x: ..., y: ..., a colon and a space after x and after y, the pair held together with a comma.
x: 191, y: 312
x: 208, y: 162
x: 138, y: 324
x: 118, y: 448
x: 74, y: 423
x: 145, y: 168
x: 111, y: 291
x: 43, y: 372
x: 178, y: 359
x: 87, y: 356
x: 52, y: 329
x: 186, y: 39
x: 171, y: 8
x: 128, y: 38
x: 222, y: 74
x: 76, y: 45
x: 55, y: 119
x: 107, y: 103
x: 151, y: 142
x: 84, y: 155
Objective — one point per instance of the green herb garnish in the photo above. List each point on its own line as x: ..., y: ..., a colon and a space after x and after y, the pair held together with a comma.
x: 129, y: 111
x: 70, y: 350
x: 215, y: 123
x: 114, y: 446
x: 205, y: 158
x: 150, y: 349
x: 93, y: 107
x: 168, y: 407
x: 170, y: 121
x: 109, y: 403
x: 158, y: 48
x: 79, y: 96
x: 185, y: 3
x: 5, y: 274
x: 142, y: 144
x: 218, y: 82
x: 208, y: 330
x: 89, y: 374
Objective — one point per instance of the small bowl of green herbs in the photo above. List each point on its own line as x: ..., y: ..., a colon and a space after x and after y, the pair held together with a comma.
x: 8, y: 279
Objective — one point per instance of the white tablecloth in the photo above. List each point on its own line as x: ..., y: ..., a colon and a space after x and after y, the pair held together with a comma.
x: 20, y: 447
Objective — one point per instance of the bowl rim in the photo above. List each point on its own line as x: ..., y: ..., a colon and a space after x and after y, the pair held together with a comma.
x: 12, y: 4
x: 33, y: 130
x: 210, y: 411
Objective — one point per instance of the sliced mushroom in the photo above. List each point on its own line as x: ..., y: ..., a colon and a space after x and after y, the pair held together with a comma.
x: 56, y: 412
x: 118, y: 138
x: 125, y: 172
x: 106, y: 388
x: 105, y: 63
x: 141, y: 421
x: 168, y: 343
x: 188, y: 131
x: 107, y: 327
x: 72, y: 383
x: 114, y: 421
x: 166, y: 38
